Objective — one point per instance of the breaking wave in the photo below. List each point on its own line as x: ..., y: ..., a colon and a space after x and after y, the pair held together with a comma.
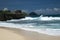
x: 45, y: 25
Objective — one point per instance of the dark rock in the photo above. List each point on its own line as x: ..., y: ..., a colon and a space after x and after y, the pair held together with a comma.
x: 33, y: 14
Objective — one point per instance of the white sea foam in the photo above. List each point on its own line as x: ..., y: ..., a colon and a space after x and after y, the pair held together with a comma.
x: 30, y: 27
x: 13, y: 20
x: 28, y: 18
x: 41, y: 18
x: 53, y: 32
x: 48, y: 18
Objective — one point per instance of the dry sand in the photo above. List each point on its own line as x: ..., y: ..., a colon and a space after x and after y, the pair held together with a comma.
x: 9, y: 35
x: 19, y: 34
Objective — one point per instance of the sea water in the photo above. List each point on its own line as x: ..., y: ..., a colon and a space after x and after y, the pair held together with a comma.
x: 45, y: 25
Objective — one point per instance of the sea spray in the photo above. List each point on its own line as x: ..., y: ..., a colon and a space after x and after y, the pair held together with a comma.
x: 45, y: 25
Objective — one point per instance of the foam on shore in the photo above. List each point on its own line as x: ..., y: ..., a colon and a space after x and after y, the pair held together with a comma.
x: 53, y: 32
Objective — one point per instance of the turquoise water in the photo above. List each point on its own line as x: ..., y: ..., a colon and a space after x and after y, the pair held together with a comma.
x: 38, y: 23
x: 46, y: 25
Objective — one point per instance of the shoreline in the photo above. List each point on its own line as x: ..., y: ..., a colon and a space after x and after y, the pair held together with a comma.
x: 28, y: 35
x: 48, y: 31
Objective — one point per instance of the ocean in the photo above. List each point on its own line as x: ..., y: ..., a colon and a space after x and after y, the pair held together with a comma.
x: 46, y: 25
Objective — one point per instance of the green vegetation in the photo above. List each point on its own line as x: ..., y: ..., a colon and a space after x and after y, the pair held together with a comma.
x: 8, y: 15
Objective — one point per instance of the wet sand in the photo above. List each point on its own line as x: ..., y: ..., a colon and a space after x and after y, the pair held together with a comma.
x: 19, y: 34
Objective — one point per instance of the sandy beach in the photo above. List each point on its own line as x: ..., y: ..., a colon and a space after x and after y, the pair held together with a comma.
x: 19, y: 34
